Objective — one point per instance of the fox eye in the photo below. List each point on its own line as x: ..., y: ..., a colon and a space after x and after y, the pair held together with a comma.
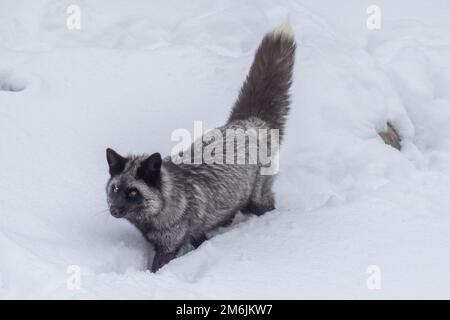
x: 132, y: 193
x: 114, y: 188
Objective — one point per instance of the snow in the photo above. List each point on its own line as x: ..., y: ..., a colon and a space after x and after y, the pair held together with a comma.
x: 137, y: 71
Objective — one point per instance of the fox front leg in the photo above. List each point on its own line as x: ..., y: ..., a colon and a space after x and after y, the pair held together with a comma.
x: 161, y: 258
x: 167, y: 243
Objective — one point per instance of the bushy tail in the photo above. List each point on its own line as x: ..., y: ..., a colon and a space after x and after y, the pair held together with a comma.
x: 265, y: 93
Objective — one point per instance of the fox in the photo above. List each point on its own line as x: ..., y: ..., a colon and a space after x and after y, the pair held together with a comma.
x: 176, y: 204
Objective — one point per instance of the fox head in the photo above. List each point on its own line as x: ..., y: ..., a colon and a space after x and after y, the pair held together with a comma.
x: 134, y: 188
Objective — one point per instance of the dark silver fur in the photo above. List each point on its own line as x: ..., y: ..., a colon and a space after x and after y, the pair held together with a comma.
x: 176, y: 204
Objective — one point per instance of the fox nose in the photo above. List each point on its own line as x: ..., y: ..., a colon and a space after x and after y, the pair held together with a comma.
x: 118, y: 212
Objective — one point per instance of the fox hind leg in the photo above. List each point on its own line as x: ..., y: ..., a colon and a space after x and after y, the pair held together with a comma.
x: 262, y: 198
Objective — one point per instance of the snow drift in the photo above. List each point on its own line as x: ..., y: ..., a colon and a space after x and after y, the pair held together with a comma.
x: 136, y: 71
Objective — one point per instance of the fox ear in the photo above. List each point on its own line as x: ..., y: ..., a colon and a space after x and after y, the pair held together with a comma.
x: 115, y: 161
x: 150, y: 168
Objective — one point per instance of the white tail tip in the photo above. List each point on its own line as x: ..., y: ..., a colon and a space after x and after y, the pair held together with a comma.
x: 284, y: 30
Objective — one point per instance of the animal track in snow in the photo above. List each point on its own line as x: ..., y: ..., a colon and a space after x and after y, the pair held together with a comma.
x: 10, y: 82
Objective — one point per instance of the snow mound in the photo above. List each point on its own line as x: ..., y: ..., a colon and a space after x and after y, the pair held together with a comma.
x: 136, y: 72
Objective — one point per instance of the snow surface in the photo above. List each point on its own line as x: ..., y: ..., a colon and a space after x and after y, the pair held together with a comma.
x: 137, y: 70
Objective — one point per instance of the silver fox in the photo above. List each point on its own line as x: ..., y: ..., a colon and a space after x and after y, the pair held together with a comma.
x: 176, y: 204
